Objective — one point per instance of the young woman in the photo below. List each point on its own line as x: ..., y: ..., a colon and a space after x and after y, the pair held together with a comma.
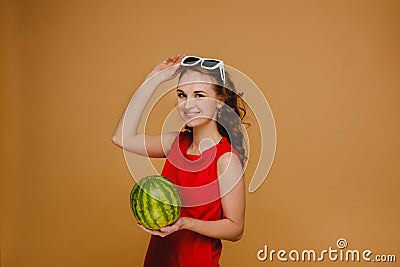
x: 205, y: 161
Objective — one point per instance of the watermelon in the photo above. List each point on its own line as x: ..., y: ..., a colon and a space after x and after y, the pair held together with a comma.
x: 155, y: 202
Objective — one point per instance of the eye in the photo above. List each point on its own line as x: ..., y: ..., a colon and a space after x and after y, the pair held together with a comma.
x: 181, y: 95
x: 199, y: 95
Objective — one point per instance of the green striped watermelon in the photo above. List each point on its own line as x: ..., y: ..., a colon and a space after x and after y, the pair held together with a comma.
x: 155, y: 202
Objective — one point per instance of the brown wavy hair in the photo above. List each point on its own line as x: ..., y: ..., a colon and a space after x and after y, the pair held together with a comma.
x: 230, y: 119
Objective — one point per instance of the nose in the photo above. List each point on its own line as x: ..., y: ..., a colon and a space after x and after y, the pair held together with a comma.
x: 189, y: 104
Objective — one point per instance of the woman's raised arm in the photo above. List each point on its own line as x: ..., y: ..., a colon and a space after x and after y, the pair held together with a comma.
x: 141, y: 144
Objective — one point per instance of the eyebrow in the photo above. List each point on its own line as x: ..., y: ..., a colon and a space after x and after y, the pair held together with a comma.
x: 195, y: 92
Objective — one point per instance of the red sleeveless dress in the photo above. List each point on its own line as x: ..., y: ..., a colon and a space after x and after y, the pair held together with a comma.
x: 197, y: 181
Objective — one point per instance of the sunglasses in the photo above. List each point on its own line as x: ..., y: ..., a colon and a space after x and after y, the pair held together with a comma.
x: 206, y: 63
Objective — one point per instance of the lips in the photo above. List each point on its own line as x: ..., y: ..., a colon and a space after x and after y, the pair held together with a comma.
x: 191, y: 114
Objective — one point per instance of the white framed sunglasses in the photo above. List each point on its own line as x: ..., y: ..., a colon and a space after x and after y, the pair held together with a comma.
x: 206, y: 63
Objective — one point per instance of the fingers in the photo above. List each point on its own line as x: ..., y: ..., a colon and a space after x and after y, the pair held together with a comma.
x: 169, y: 229
x: 170, y: 61
x: 165, y: 64
x: 152, y: 232
x: 172, y: 228
x: 166, y: 229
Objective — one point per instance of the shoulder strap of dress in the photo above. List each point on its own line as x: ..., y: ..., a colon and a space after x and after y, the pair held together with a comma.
x: 224, y: 146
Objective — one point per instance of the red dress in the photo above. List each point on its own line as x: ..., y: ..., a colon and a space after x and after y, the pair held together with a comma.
x: 197, y: 182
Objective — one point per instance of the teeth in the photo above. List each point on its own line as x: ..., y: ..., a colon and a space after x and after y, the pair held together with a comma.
x: 191, y: 114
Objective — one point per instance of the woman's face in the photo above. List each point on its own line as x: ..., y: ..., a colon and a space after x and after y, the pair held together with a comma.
x: 197, y: 99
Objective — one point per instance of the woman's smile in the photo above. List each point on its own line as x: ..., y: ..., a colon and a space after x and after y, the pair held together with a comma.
x: 190, y: 114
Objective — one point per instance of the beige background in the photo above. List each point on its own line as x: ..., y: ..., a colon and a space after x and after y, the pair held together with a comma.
x: 330, y: 72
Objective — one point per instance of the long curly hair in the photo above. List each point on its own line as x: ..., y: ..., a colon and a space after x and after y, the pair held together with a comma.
x: 230, y: 118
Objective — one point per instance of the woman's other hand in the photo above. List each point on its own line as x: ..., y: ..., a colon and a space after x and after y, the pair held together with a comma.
x: 164, y: 231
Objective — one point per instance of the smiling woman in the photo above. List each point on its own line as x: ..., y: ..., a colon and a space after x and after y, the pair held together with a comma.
x: 205, y: 161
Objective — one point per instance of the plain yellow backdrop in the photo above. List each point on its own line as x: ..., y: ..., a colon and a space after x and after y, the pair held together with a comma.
x: 330, y: 73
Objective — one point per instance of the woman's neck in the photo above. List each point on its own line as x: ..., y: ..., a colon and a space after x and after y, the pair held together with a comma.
x: 204, y: 137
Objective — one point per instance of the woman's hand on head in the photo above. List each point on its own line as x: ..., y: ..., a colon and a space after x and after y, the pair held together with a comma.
x: 167, y: 73
x: 164, y: 231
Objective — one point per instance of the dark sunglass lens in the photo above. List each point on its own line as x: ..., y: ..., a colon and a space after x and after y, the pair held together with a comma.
x: 209, y: 63
x: 190, y: 60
